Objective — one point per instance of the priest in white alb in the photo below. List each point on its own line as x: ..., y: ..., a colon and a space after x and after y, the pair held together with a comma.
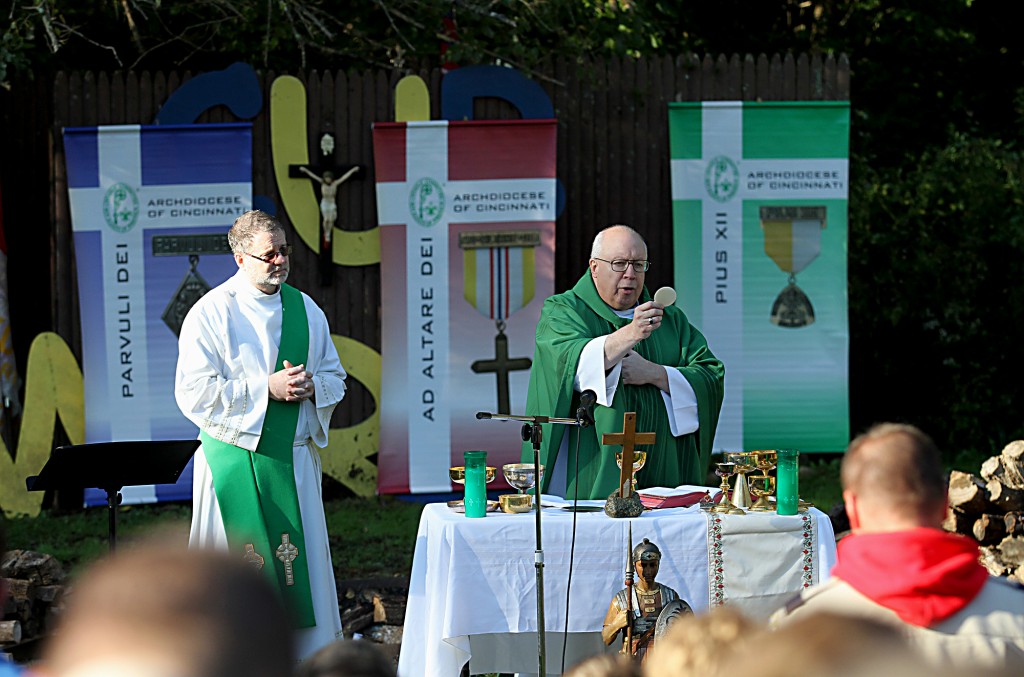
x: 258, y: 373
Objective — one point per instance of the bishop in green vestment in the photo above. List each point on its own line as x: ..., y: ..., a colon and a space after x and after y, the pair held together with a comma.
x: 606, y: 334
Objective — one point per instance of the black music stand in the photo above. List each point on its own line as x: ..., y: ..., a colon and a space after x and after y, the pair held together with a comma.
x: 112, y: 466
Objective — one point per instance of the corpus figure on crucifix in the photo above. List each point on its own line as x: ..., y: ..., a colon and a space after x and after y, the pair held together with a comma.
x: 327, y: 175
x: 329, y: 196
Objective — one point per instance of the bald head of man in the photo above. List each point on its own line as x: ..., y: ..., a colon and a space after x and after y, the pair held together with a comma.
x: 893, y: 479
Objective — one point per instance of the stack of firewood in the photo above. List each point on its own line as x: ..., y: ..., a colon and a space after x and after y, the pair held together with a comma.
x: 991, y: 509
x: 35, y: 584
x: 374, y: 610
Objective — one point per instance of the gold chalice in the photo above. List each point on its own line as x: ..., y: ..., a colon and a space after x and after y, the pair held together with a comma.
x: 726, y: 469
x: 639, y: 458
x: 457, y: 474
x: 744, y: 464
x: 762, y: 486
x: 765, y: 460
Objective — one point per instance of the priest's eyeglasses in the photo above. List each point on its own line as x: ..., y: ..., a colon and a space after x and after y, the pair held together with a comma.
x: 285, y: 251
x: 619, y: 265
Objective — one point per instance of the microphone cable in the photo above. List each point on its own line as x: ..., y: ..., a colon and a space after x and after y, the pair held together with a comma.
x: 572, y: 545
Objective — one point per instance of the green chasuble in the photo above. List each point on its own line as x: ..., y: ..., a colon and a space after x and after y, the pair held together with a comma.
x: 567, y: 323
x: 256, y: 490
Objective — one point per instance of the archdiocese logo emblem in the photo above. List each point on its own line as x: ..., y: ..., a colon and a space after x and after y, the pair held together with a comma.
x: 721, y: 178
x: 121, y: 207
x: 426, y: 202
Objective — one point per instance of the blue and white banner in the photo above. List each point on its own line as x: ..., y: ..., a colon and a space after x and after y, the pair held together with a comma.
x: 146, y: 204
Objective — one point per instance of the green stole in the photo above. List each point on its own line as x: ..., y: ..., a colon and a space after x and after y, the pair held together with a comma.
x: 256, y: 490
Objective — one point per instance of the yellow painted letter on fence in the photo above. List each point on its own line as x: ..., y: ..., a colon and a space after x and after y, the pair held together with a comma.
x: 53, y: 387
x: 344, y: 459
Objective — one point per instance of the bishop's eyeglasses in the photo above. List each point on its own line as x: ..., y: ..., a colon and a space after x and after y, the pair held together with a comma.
x: 619, y: 265
x: 285, y: 251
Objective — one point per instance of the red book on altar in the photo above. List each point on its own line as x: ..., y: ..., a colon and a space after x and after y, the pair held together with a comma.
x: 679, y: 497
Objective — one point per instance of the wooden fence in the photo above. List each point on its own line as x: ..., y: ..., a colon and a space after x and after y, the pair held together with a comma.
x: 613, y: 157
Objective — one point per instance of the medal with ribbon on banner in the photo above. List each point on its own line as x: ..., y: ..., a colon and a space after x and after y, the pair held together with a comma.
x: 498, y: 280
x: 792, y: 239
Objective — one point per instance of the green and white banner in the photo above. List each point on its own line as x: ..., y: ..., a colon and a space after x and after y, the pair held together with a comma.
x: 759, y: 197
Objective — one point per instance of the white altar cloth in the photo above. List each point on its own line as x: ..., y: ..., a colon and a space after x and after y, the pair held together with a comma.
x: 473, y: 595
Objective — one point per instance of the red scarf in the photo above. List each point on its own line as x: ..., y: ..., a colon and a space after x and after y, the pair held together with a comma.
x: 924, y: 575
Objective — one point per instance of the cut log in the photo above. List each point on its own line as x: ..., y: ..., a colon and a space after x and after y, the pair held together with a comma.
x: 49, y: 593
x: 10, y: 632
x: 20, y: 590
x: 356, y: 619
x: 1011, y: 550
x: 388, y: 610
x: 1004, y: 497
x: 968, y: 494
x: 1013, y: 464
x: 1014, y: 522
x: 958, y: 523
x: 992, y: 559
x: 992, y: 468
x: 989, y: 529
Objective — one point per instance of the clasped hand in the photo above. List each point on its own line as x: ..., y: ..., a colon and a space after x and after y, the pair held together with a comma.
x: 638, y: 370
x: 292, y: 384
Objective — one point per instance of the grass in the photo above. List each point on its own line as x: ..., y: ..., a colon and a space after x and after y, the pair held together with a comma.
x: 370, y: 538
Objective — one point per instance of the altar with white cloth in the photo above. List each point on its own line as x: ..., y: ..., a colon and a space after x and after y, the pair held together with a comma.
x: 473, y: 594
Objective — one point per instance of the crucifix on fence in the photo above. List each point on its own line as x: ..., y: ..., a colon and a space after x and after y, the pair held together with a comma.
x: 329, y: 176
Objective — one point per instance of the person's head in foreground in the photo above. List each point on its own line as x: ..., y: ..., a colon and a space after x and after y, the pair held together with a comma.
x: 347, y: 658
x: 892, y: 478
x: 605, y: 665
x: 697, y: 645
x: 163, y: 611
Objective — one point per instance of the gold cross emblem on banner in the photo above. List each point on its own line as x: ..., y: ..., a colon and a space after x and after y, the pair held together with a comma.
x: 627, y: 439
x: 252, y: 558
x: 287, y: 553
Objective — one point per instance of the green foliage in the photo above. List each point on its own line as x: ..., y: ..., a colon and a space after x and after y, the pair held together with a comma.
x: 936, y: 301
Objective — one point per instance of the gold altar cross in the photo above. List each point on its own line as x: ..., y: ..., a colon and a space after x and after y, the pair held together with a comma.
x: 287, y: 552
x: 252, y: 558
x: 627, y: 439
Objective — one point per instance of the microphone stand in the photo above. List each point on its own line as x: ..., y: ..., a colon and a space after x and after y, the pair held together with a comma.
x: 532, y: 432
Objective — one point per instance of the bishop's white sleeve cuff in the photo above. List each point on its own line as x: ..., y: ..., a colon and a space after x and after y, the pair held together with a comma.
x: 680, y: 404
x: 590, y: 373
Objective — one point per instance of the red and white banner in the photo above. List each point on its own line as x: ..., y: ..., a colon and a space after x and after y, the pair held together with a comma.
x: 452, y: 197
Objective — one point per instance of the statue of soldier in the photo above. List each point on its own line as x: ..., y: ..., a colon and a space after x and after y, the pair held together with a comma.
x: 640, y: 604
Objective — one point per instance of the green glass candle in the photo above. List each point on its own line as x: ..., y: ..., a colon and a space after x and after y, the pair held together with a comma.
x: 787, y: 489
x: 476, y: 483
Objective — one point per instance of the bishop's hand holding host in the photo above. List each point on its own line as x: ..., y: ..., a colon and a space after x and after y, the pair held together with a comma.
x: 606, y: 334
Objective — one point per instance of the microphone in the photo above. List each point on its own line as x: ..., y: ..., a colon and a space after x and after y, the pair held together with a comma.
x: 666, y: 296
x: 482, y: 415
x: 585, y: 413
